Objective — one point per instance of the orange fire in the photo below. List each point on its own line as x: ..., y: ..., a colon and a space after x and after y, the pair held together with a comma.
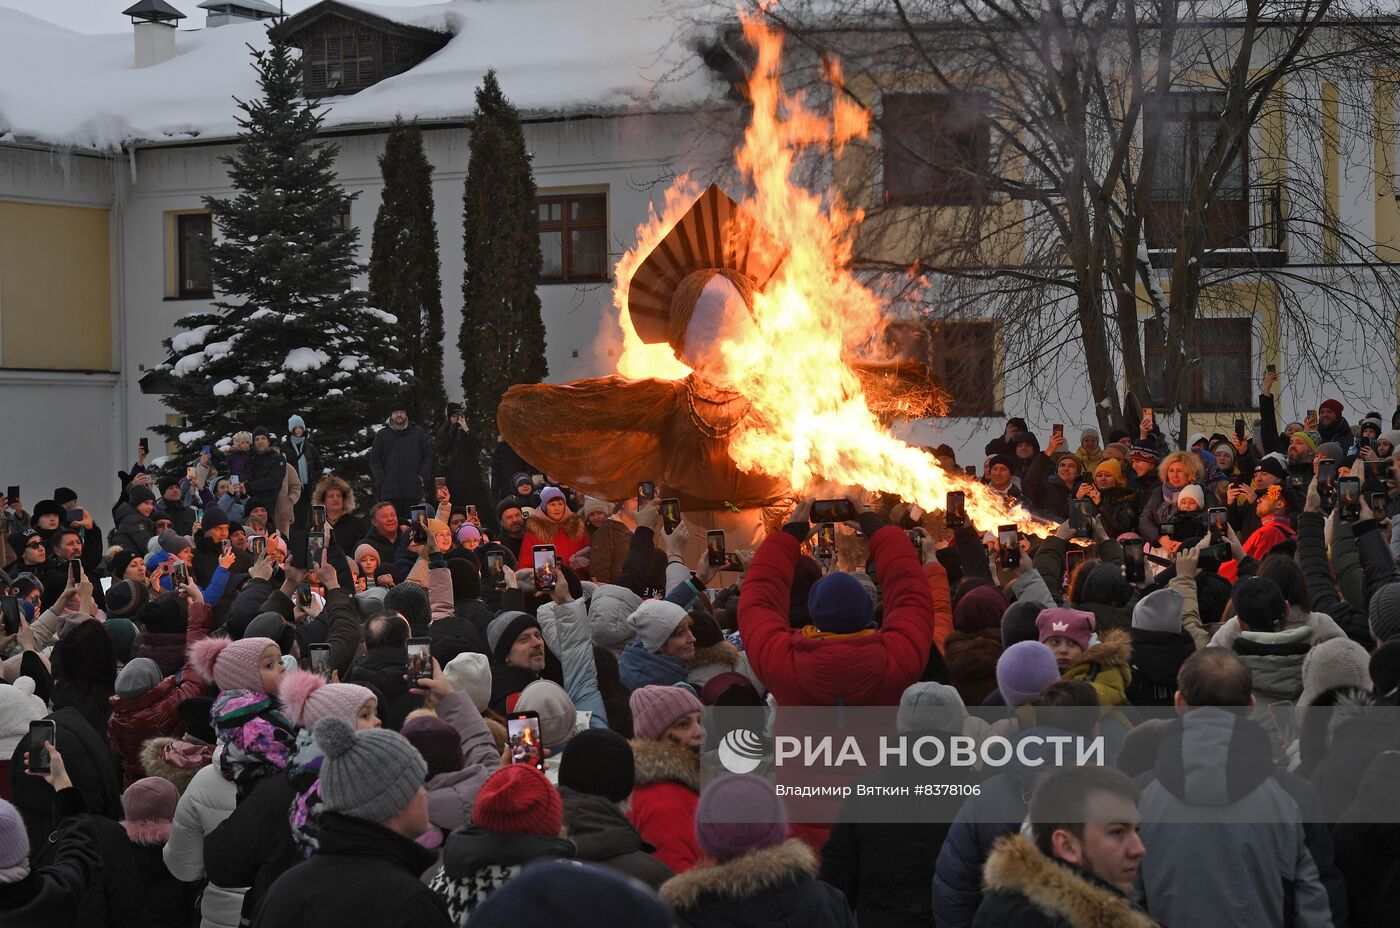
x: 793, y: 363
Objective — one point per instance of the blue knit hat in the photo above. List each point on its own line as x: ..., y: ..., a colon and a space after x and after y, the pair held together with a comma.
x: 839, y: 604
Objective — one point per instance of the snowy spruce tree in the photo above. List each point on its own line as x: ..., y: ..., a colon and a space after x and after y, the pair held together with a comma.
x: 404, y: 277
x: 289, y: 332
x: 502, y: 336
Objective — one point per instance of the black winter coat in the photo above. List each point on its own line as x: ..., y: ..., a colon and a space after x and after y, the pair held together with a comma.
x: 1156, y: 658
x: 602, y: 835
x: 267, y: 471
x: 132, y: 531
x: 459, y: 460
x: 775, y: 887
x: 166, y: 902
x: 1367, y: 841
x: 53, y: 892
x: 363, y: 876
x: 401, y: 462
x: 385, y: 667
x: 313, y: 462
x: 254, y: 845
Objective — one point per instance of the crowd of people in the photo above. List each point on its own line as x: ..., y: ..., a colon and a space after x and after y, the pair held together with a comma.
x: 258, y: 700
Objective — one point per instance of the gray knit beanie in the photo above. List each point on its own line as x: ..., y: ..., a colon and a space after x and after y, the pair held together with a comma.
x: 1159, y: 611
x: 138, y: 678
x: 1384, y: 612
x: 372, y: 774
x: 930, y: 706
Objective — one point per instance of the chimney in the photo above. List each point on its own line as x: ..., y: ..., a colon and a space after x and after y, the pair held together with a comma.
x: 154, y: 24
x: 232, y: 12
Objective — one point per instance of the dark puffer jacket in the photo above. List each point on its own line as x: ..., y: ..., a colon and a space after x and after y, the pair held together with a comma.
x: 601, y: 834
x: 775, y: 887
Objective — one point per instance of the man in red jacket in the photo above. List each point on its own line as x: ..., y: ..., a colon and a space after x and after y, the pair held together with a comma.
x: 841, y: 658
x: 1273, y: 531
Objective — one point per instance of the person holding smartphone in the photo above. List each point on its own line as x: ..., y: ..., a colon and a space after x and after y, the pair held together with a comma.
x: 553, y: 524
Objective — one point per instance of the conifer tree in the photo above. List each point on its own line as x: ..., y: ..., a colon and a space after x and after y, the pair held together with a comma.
x: 289, y: 333
x: 502, y: 336
x: 404, y: 269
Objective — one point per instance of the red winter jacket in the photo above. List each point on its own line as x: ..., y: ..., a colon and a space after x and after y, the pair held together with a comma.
x: 861, y: 669
x: 153, y: 715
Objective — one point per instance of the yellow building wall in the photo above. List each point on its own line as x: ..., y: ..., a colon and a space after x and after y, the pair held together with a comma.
x: 55, y: 287
x: 1387, y: 208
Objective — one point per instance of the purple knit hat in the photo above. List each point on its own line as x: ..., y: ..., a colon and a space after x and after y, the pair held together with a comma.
x: 739, y: 813
x: 549, y: 495
x: 14, y: 840
x: 656, y: 708
x: 1023, y: 670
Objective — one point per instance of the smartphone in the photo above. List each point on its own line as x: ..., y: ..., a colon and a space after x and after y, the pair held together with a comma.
x: 524, y: 740
x: 1134, y: 560
x: 303, y: 594
x: 826, y: 535
x: 546, y: 573
x: 9, y: 613
x: 418, y: 517
x: 1081, y: 517
x: 1008, y: 546
x: 833, y: 510
x: 1312, y: 414
x: 646, y: 492
x: 318, y: 519
x: 1380, y: 504
x: 257, y: 545
x: 1270, y: 369
x: 917, y: 540
x: 537, y: 481
x: 1073, y: 558
x: 714, y: 548
x: 315, y: 548
x: 179, y: 575
x: 1147, y: 412
x: 955, y: 510
x: 198, y: 513
x: 1216, y: 521
x: 670, y: 514
x: 471, y: 511
x: 1349, y: 499
x: 1376, y: 471
x: 496, y: 568
x: 440, y: 482
x: 1326, y: 476
x: 225, y: 546
x: 144, y: 444
x: 75, y: 571
x: 234, y: 480
x: 420, y: 659
x: 1058, y: 428
x: 1239, y: 429
x: 321, y: 660
x: 13, y: 492
x: 733, y: 564
x: 42, y: 732
x: 204, y: 451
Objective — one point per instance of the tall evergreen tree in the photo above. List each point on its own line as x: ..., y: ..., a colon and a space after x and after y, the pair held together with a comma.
x: 404, y: 268
x: 502, y: 338
x: 290, y: 333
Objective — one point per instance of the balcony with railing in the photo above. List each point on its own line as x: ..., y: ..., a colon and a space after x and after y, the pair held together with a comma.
x: 1244, y: 228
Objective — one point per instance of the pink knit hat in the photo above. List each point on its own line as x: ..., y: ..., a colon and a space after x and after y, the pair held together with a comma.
x: 230, y: 665
x: 307, y: 699
x: 1060, y: 622
x: 656, y: 708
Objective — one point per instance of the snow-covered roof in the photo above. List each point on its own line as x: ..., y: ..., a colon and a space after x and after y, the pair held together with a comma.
x: 257, y: 6
x: 552, y: 57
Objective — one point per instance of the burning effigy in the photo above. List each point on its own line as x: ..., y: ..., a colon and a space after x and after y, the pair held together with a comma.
x: 745, y: 378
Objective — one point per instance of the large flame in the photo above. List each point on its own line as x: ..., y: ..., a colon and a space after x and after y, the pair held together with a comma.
x: 793, y: 362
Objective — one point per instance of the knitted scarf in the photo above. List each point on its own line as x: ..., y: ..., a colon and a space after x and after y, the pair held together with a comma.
x: 257, y: 738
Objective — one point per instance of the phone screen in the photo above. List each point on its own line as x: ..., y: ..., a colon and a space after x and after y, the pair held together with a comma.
x: 496, y: 568
x: 234, y: 480
x: 537, y: 480
x: 1349, y: 498
x: 321, y: 660
x: 546, y: 573
x: 179, y: 574
x: 1376, y: 471
x: 1081, y: 514
x: 315, y: 547
x: 1134, y: 563
x: 826, y: 535
x: 1217, y: 523
x: 1326, y: 475
x: 524, y: 739
x: 955, y: 513
x: 471, y: 510
x: 1380, y: 504
x: 917, y: 540
x: 41, y: 732
x: 833, y: 510
x: 75, y: 571
x: 1073, y: 558
x: 420, y: 661
x: 670, y: 514
x: 1008, y: 546
x: 714, y: 548
x: 440, y: 482
x: 646, y: 491
x: 257, y: 545
x: 1058, y: 428
x: 318, y: 519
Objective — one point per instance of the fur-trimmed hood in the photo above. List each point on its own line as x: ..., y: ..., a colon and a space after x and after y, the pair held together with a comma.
x: 663, y: 762
x: 1016, y: 867
x: 148, y: 834
x: 723, y: 653
x: 743, y: 877
x: 1114, y: 650
x: 175, y: 760
x: 545, y: 528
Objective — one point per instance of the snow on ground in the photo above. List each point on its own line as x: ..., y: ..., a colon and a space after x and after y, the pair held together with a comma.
x: 552, y: 56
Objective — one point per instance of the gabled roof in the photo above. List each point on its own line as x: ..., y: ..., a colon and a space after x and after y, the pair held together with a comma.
x: 295, y: 25
x: 153, y: 9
